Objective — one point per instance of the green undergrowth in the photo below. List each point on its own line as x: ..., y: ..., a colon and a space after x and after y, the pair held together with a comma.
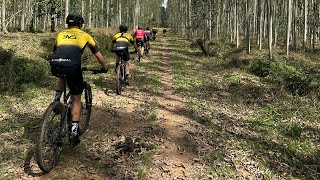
x: 258, y: 118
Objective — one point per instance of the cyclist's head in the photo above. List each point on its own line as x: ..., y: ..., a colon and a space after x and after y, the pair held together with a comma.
x: 123, y: 28
x: 139, y: 27
x: 74, y: 19
x: 147, y: 28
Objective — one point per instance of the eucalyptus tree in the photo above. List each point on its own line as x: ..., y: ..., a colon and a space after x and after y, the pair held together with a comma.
x: 3, y: 15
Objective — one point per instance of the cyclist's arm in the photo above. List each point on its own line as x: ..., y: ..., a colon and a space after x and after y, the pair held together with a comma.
x: 114, y: 40
x: 135, y: 46
x: 101, y: 60
x: 95, y: 50
x: 131, y: 40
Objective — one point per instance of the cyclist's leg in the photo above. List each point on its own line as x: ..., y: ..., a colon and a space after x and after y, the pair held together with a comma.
x: 75, y: 83
x: 60, y: 85
x: 117, y: 63
x: 76, y: 108
x: 60, y: 88
x: 142, y: 47
x: 126, y: 58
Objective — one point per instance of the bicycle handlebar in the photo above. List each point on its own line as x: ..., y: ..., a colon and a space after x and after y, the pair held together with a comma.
x: 94, y: 71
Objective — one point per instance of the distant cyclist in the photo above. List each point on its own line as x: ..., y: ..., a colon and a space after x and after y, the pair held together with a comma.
x: 121, y: 41
x: 140, y: 36
x: 147, y: 40
x: 66, y: 62
x: 164, y: 31
x: 154, y: 33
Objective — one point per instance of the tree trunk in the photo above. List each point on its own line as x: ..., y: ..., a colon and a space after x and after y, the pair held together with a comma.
x: 82, y: 8
x: 237, y: 23
x: 248, y: 26
x: 189, y: 20
x: 288, y: 26
x: 259, y: 24
x: 90, y: 14
x: 294, y: 13
x: 305, y: 30
x: 66, y: 10
x: 270, y: 3
x: 3, y: 16
x: 108, y: 13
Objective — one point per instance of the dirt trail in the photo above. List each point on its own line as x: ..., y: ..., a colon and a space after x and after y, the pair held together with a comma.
x: 174, y: 159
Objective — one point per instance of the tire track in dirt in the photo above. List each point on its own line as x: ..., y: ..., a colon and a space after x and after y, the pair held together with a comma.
x: 175, y: 158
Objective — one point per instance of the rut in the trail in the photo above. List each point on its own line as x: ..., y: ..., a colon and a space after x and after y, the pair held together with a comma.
x: 174, y: 158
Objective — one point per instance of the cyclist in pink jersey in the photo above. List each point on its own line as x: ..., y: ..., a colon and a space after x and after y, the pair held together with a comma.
x: 140, y: 36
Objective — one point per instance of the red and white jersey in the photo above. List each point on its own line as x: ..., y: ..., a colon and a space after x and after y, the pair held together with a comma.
x: 139, y: 34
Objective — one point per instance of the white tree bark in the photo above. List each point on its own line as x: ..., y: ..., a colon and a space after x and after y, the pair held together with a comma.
x: 90, y: 14
x: 3, y: 16
x: 288, y: 26
x: 305, y: 30
x: 66, y: 10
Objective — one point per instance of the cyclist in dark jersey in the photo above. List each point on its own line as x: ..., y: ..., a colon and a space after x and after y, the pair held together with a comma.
x: 164, y: 31
x: 66, y: 62
x: 154, y: 33
x: 147, y: 40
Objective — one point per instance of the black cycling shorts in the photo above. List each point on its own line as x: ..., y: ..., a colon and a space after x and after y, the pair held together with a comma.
x: 73, y: 75
x: 147, y: 39
x: 124, y: 53
x: 139, y: 40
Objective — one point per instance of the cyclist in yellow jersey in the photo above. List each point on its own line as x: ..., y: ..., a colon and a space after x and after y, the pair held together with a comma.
x: 66, y: 61
x: 121, y: 41
x: 154, y: 33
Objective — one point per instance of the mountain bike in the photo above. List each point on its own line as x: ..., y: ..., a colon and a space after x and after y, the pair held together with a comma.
x: 154, y: 36
x: 146, y: 48
x: 120, y: 71
x: 139, y: 47
x: 56, y: 123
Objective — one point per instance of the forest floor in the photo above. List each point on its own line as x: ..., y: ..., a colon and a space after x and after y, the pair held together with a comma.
x: 184, y: 116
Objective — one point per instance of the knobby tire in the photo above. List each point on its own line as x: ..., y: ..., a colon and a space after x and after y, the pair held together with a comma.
x: 86, y: 108
x: 118, y: 80
x: 50, y: 135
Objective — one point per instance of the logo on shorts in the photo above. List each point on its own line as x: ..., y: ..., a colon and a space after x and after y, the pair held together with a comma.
x: 61, y: 60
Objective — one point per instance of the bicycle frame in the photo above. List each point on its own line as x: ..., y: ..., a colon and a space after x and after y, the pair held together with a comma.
x: 122, y: 68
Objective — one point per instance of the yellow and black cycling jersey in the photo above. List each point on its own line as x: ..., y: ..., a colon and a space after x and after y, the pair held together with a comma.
x: 154, y: 30
x: 123, y: 39
x: 70, y: 45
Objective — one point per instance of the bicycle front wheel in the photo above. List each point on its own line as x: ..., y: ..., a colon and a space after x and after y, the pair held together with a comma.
x: 86, y: 108
x: 49, y: 145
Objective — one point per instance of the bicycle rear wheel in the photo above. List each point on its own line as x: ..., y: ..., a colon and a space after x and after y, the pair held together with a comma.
x: 49, y: 145
x: 119, y: 80
x: 86, y: 108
